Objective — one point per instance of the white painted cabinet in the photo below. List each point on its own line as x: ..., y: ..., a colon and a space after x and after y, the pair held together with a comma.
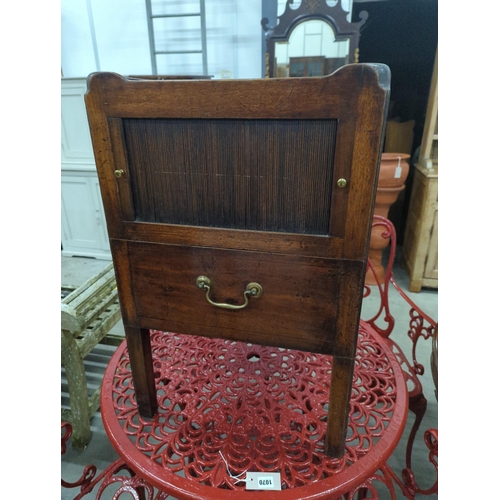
x: 83, y: 226
x: 82, y: 216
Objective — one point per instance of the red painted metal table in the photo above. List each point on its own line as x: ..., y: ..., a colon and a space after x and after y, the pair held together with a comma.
x: 226, y: 408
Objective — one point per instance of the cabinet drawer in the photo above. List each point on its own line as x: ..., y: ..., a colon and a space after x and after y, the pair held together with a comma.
x: 298, y: 307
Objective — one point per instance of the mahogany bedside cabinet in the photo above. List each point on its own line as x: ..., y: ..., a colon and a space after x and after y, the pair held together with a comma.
x: 241, y: 210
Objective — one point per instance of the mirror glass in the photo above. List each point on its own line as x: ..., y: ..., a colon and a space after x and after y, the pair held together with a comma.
x: 311, y: 50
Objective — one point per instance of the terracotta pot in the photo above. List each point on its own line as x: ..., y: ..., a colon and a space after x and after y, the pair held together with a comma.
x: 393, y: 172
x: 394, y: 169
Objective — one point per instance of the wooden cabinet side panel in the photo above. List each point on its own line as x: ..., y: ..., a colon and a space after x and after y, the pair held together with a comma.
x: 419, y: 226
x: 413, y: 226
x: 431, y: 266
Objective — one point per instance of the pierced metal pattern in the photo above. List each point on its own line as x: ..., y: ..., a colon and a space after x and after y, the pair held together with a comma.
x: 383, y: 321
x: 419, y: 328
x: 431, y: 441
x: 256, y: 408
x: 117, y: 476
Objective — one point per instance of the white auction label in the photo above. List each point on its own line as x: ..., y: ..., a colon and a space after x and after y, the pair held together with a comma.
x: 263, y: 481
x: 398, y: 170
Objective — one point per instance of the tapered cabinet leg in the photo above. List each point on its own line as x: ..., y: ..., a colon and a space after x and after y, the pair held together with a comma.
x: 338, y: 406
x: 141, y: 363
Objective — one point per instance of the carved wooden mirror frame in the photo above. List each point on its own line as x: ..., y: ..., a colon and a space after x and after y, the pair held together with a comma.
x: 335, y: 17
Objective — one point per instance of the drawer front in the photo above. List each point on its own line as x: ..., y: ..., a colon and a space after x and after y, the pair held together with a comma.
x: 298, y: 307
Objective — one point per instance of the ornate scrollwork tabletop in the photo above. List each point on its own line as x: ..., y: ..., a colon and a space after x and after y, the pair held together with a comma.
x: 226, y: 408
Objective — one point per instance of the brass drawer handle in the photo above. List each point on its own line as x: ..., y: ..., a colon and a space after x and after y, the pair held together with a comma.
x: 252, y: 290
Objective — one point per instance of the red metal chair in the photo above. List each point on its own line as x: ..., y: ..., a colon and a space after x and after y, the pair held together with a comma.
x: 421, y: 327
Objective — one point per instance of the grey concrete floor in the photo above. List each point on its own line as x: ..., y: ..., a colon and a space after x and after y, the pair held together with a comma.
x: 99, y: 452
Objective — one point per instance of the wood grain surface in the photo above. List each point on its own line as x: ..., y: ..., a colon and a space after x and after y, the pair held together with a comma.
x: 237, y: 180
x: 298, y: 308
x: 266, y: 175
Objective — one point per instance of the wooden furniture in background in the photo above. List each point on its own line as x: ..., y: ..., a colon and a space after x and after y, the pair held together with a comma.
x: 420, y: 246
x: 307, y: 66
x: 242, y: 209
x: 399, y: 136
x: 335, y: 16
x: 88, y: 313
x: 83, y: 224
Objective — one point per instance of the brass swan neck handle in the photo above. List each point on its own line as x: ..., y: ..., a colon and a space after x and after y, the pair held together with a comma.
x: 252, y: 290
